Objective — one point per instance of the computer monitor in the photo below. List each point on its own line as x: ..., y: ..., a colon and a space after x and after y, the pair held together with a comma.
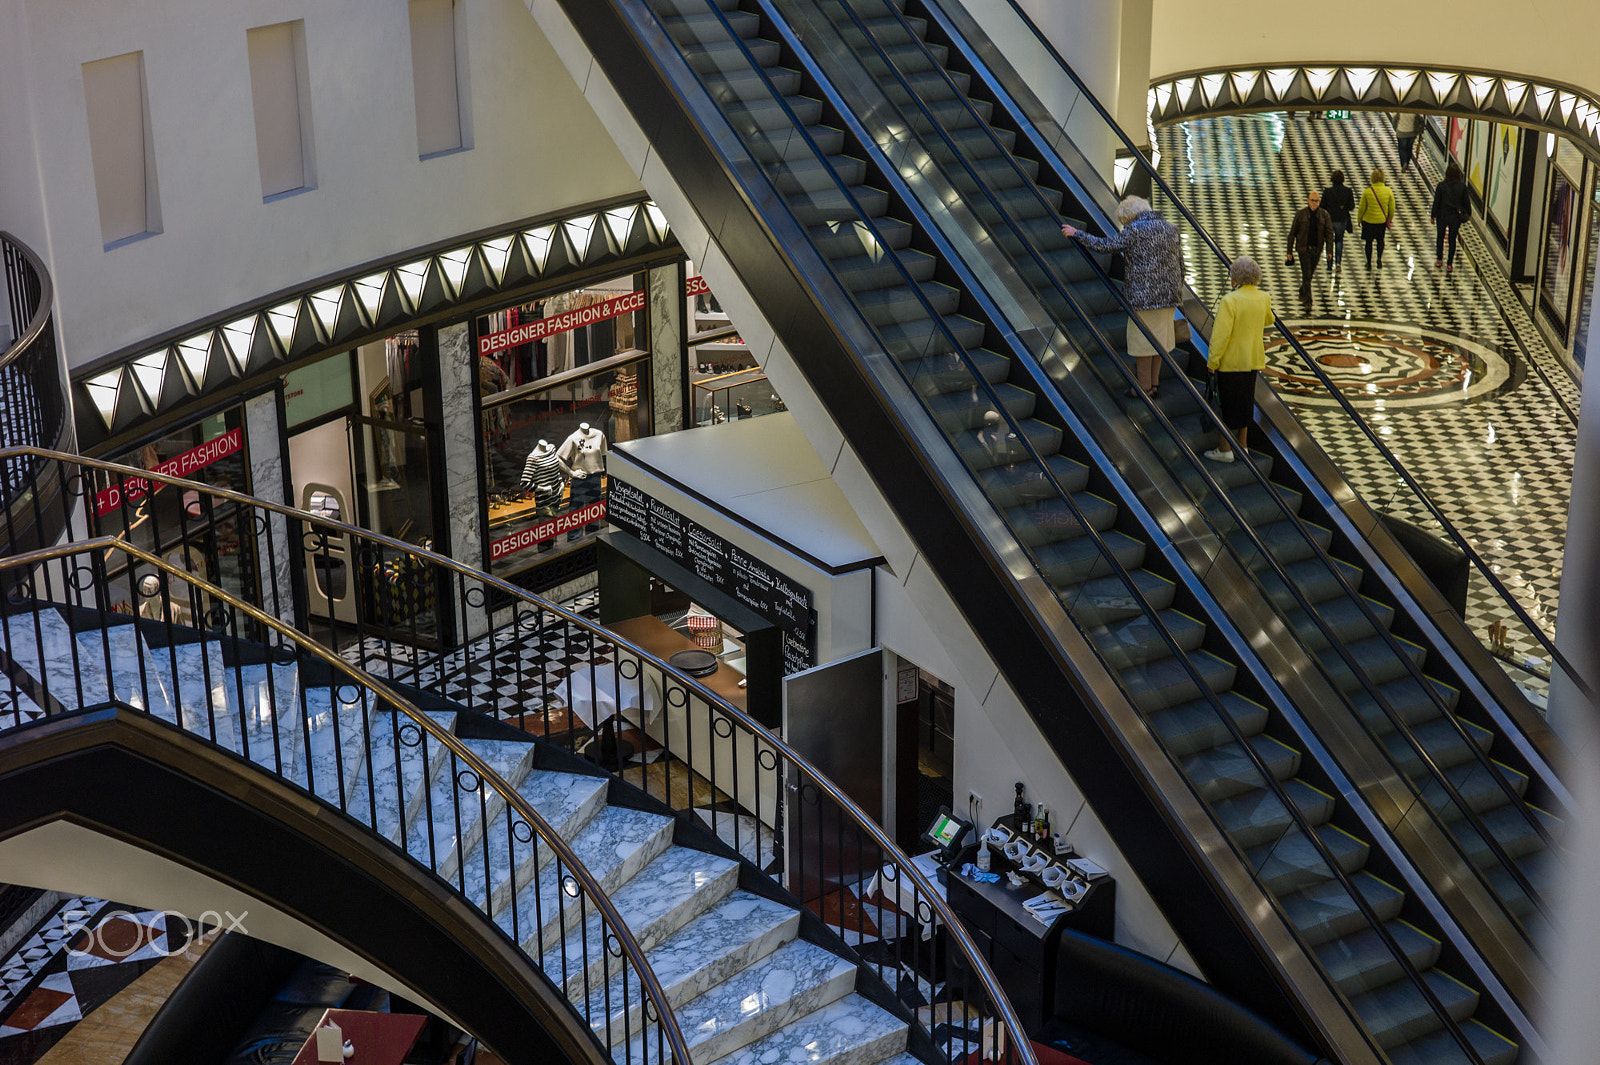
x: 948, y: 832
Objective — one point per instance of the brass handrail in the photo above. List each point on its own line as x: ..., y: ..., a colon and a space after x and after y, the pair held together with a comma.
x: 977, y: 965
x: 525, y: 809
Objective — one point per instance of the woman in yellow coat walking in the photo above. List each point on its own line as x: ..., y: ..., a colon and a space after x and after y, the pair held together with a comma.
x: 1238, y: 354
x: 1376, y: 212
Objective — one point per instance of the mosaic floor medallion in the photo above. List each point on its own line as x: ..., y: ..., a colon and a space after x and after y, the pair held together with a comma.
x: 1379, y: 364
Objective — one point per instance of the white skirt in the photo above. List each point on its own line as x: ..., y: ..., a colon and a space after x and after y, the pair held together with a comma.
x: 1160, y: 323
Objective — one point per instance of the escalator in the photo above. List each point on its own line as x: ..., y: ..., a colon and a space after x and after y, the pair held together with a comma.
x: 930, y: 255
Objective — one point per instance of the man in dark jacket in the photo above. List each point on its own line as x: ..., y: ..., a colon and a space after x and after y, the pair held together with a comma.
x: 1310, y: 236
x: 1339, y: 201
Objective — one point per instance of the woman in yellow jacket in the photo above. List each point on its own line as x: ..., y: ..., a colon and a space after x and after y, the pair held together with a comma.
x: 1376, y: 212
x: 1238, y: 353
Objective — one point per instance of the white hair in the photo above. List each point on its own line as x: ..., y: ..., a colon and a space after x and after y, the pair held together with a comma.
x: 1131, y: 208
x: 1244, y: 271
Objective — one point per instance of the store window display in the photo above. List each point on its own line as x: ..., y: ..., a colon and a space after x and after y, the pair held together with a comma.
x: 191, y: 530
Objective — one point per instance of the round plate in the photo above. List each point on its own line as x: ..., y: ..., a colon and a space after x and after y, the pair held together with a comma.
x: 694, y: 663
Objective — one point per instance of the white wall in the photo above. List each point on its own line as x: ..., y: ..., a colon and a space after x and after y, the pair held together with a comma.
x: 537, y: 147
x: 1534, y: 38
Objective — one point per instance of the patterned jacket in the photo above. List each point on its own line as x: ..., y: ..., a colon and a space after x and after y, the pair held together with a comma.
x: 1155, y: 262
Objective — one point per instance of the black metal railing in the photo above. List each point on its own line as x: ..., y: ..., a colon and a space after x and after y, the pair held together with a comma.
x: 576, y: 684
x: 33, y: 404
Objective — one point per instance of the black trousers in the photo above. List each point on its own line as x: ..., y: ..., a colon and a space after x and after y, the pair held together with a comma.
x: 1370, y: 232
x: 1308, y: 267
x: 1448, y: 233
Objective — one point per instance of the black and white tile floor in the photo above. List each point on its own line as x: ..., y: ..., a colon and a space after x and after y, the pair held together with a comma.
x: 1446, y: 367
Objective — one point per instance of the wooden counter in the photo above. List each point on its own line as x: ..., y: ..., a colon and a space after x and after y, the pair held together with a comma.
x: 662, y: 640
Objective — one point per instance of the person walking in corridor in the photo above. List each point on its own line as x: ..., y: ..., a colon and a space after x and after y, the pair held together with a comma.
x: 1310, y: 235
x: 1451, y: 207
x: 1406, y: 125
x: 1338, y: 201
x: 1238, y: 354
x: 1154, y: 285
x: 1376, y: 213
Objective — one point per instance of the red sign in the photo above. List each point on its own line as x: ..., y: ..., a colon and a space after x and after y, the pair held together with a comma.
x: 539, y: 328
x: 134, y: 489
x: 547, y: 530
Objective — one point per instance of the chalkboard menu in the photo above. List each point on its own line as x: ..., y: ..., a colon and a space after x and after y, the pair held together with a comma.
x: 720, y: 564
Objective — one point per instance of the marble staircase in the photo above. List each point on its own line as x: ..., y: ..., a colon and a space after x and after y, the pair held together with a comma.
x: 747, y: 985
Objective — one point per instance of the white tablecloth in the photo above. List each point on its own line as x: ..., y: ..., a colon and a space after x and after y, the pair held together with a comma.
x: 593, y: 696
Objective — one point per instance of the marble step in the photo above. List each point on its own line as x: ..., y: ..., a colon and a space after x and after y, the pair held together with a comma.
x: 132, y: 681
x: 679, y: 885
x: 338, y: 752
x: 613, y: 847
x: 849, y: 1031
x: 567, y: 801
x: 393, y: 772
x: 457, y: 802
x: 794, y: 981
x: 724, y: 940
x: 41, y: 645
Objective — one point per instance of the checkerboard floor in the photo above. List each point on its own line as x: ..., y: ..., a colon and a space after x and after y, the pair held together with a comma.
x: 1499, y: 466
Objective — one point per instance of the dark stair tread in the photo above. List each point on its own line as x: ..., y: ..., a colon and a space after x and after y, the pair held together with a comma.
x: 1294, y: 862
x: 1362, y: 960
x: 1441, y: 1048
x: 1195, y: 725
x: 1227, y: 770
x: 1400, y: 1012
x: 1326, y: 910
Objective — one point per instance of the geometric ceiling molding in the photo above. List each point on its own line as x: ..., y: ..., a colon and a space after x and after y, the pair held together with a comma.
x: 169, y: 375
x: 1559, y: 109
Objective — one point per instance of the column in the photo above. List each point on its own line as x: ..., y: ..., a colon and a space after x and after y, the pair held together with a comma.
x: 666, y: 348
x: 463, y: 448
x: 269, y: 481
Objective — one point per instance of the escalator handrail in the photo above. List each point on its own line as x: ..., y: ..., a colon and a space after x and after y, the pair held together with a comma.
x: 863, y: 821
x: 1157, y: 624
x: 1394, y: 463
x: 1311, y: 609
x: 458, y: 749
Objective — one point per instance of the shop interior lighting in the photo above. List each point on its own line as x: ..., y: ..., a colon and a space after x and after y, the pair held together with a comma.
x: 539, y: 244
x: 1542, y: 98
x: 1568, y: 101
x: 103, y: 391
x: 1210, y: 86
x: 1319, y: 78
x: 1361, y: 79
x: 1443, y: 83
x: 325, y: 305
x: 1400, y: 80
x: 619, y: 220
x: 1163, y: 95
x: 241, y: 336
x: 369, y: 294
x: 194, y: 355
x: 1515, y: 92
x: 1244, y: 83
x: 150, y: 370
x: 1183, y: 89
x: 581, y: 231
x: 658, y: 218
x: 496, y: 254
x: 1280, y: 79
x: 1479, y: 86
x: 1550, y: 144
x: 284, y: 317
x: 412, y: 277
x: 453, y: 264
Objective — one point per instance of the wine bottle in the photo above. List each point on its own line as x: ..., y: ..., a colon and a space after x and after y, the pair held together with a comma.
x: 1022, y: 812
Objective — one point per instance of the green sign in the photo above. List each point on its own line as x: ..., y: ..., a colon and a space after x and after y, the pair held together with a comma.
x: 1336, y: 114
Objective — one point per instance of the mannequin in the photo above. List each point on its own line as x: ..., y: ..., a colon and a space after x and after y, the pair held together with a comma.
x: 583, y: 458
x: 543, y: 475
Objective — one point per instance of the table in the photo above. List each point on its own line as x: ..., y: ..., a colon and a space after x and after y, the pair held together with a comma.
x: 662, y: 640
x: 379, y: 1038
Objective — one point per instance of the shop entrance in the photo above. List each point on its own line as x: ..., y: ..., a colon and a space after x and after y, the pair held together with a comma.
x: 319, y: 462
x: 924, y: 739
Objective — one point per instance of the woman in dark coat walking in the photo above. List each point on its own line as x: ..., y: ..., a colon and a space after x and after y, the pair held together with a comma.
x: 1451, y: 207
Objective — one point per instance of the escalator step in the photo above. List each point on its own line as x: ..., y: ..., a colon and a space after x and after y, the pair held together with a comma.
x: 1168, y: 682
x: 1258, y: 817
x: 762, y: 117
x: 944, y: 374
x: 863, y: 272
x: 984, y: 448
x: 1050, y: 520
x: 833, y: 205
x: 1135, y: 642
x: 715, y: 56
x: 1326, y: 911
x: 1073, y: 561
x: 851, y: 239
x: 1009, y: 486
x: 960, y: 411
x: 917, y: 340
x: 1362, y: 961
x: 1440, y: 1048
x: 902, y: 304
x: 1195, y: 726
x: 1293, y: 863
x: 1224, y: 771
x: 1399, y: 1012
x: 1107, y: 599
x: 707, y: 28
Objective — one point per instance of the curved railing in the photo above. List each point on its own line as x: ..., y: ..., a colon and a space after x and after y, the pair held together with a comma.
x: 33, y: 404
x: 329, y: 745
x: 775, y: 807
x: 1130, y: 163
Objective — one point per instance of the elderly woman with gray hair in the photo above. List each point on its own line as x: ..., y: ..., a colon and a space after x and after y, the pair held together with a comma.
x: 1238, y: 354
x: 1154, y: 285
